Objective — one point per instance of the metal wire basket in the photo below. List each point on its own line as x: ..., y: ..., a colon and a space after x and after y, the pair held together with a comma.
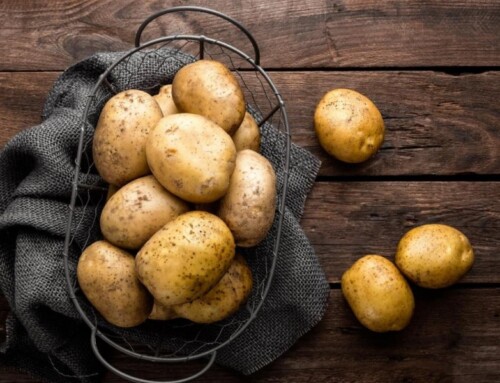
x: 149, y: 66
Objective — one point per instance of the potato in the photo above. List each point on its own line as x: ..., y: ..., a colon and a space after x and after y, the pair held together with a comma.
x: 107, y: 277
x: 137, y: 211
x: 224, y: 299
x: 434, y: 255
x: 161, y: 312
x: 191, y: 157
x: 165, y: 100
x: 119, y: 146
x: 248, y: 207
x: 378, y: 294
x: 248, y: 135
x: 185, y: 258
x: 348, y: 125
x: 208, y: 88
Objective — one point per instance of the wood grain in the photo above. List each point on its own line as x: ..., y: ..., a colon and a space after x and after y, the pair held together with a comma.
x: 436, y: 123
x: 327, y: 34
x: 346, y: 220
x: 454, y: 336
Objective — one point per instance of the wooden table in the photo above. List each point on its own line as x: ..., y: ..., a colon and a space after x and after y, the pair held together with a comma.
x: 432, y: 68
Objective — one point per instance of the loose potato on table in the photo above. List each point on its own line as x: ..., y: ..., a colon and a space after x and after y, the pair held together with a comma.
x: 107, y: 277
x: 248, y: 207
x: 434, y: 255
x: 224, y: 299
x: 138, y: 210
x: 119, y: 145
x: 378, y: 294
x: 185, y: 258
x: 208, y: 88
x: 348, y: 125
x: 191, y: 156
x: 165, y: 100
x: 247, y: 136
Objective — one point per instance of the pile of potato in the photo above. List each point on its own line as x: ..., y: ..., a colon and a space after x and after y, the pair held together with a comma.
x: 187, y: 187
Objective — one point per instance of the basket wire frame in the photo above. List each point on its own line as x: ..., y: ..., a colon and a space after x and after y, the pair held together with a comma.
x: 266, y: 105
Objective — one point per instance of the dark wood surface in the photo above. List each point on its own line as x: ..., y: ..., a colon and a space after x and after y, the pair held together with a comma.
x: 432, y: 68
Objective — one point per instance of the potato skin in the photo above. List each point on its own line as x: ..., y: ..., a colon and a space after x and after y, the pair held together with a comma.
x: 185, y: 258
x: 248, y: 208
x: 138, y: 210
x: 247, y: 136
x: 165, y: 100
x: 208, y: 88
x: 224, y: 299
x: 378, y: 294
x: 348, y: 125
x: 160, y: 312
x: 107, y: 277
x: 434, y: 255
x: 119, y: 145
x: 191, y: 157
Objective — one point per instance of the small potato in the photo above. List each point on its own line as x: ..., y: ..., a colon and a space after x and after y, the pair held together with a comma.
x: 224, y: 299
x: 348, y: 125
x: 434, y: 255
x: 248, y: 135
x: 107, y: 277
x: 378, y: 294
x: 248, y: 207
x: 161, y: 312
x: 208, y: 88
x: 191, y: 157
x: 185, y: 258
x: 165, y: 100
x: 137, y: 211
x: 119, y: 146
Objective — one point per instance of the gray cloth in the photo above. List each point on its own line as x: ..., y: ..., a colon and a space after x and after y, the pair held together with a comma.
x: 45, y: 336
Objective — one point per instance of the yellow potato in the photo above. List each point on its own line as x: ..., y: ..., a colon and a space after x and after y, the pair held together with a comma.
x: 165, y: 100
x: 378, y: 294
x: 107, y: 277
x: 191, y: 157
x: 208, y: 88
x: 434, y: 255
x: 249, y: 205
x: 348, y: 125
x: 185, y: 258
x: 224, y: 299
x: 161, y: 312
x: 137, y: 211
x: 248, y: 135
x: 119, y: 145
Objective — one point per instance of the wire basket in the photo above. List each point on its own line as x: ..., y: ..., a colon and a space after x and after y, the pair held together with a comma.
x: 147, y: 67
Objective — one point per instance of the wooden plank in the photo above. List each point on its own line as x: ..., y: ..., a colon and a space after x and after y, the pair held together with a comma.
x: 437, y: 124
x: 50, y: 35
x: 454, y: 336
x: 346, y: 220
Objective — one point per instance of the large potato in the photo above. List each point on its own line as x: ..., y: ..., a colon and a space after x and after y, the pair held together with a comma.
x: 138, y: 210
x: 248, y: 207
x: 434, y: 255
x: 248, y: 135
x: 348, y: 125
x: 224, y: 299
x: 165, y: 100
x: 107, y: 277
x: 378, y: 294
x: 119, y: 146
x: 186, y: 258
x: 208, y: 88
x: 191, y: 157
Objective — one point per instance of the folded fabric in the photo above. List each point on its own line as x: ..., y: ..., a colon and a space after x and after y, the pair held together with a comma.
x: 45, y: 336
